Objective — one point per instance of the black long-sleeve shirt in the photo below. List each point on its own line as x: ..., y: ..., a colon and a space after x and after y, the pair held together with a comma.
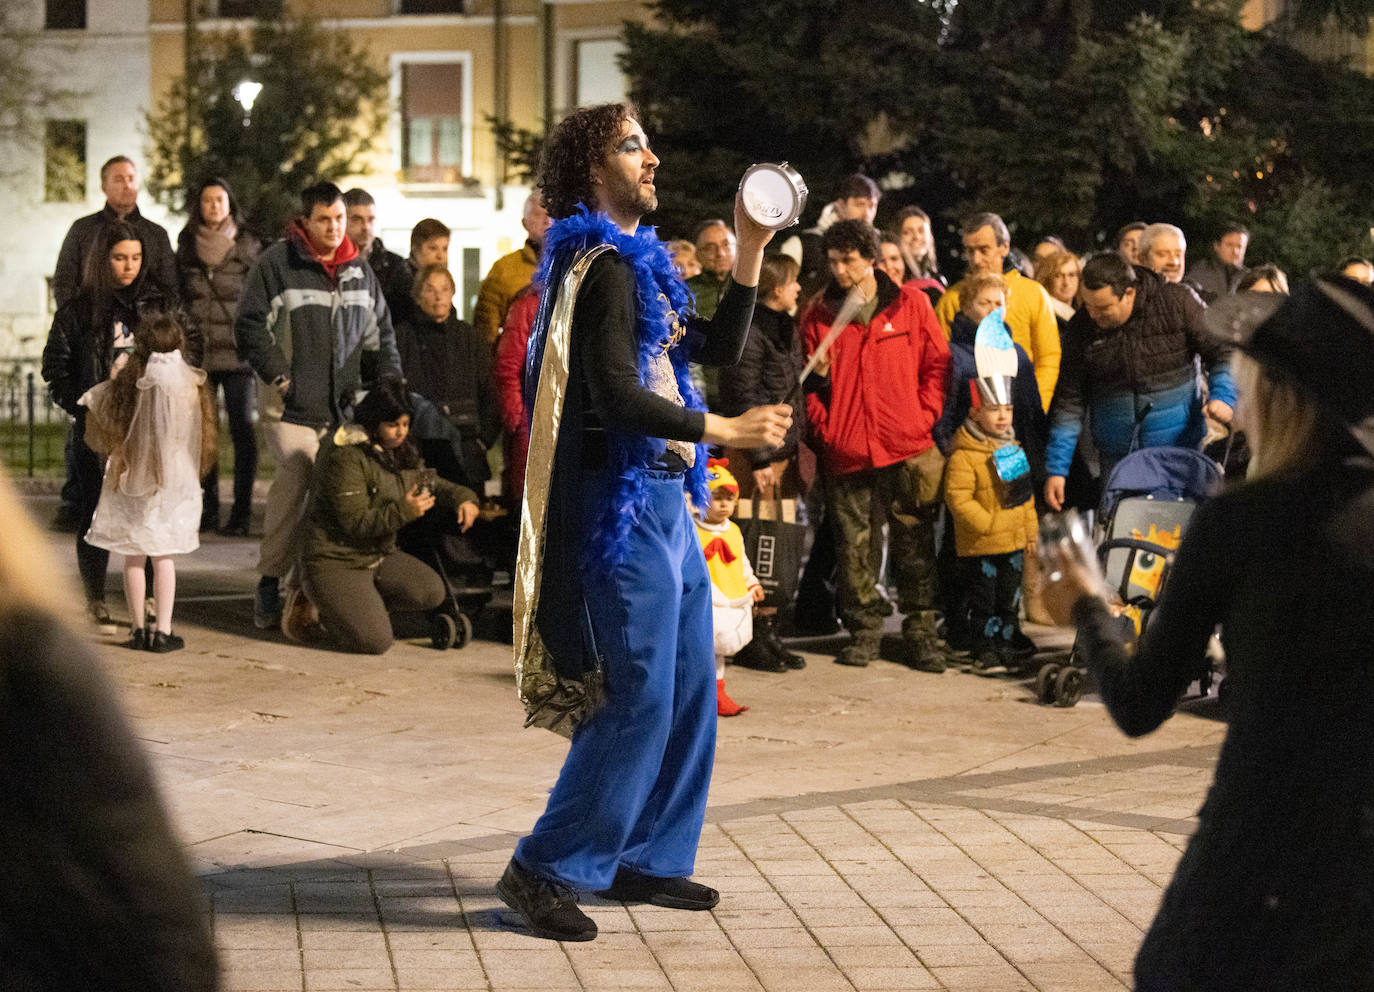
x: 607, y: 346
x: 1276, y: 890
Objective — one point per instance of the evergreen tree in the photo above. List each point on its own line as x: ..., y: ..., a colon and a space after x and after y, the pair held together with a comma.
x: 1065, y: 116
x: 321, y: 105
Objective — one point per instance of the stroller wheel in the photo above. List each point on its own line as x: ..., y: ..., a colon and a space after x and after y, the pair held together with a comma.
x: 1044, y: 683
x: 1068, y: 687
x: 463, y: 633
x: 443, y: 632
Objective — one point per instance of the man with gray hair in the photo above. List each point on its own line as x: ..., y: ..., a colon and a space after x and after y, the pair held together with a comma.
x: 1162, y: 247
x: 1029, y: 316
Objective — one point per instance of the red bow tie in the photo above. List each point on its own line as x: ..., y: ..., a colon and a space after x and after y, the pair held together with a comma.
x: 717, y: 546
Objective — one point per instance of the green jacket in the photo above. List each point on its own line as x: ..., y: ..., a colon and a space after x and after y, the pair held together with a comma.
x: 357, y: 504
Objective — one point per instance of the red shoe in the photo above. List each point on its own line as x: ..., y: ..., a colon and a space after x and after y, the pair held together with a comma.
x: 725, y: 706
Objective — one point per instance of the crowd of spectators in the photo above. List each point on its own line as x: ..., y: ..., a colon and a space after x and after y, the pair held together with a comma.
x: 293, y: 330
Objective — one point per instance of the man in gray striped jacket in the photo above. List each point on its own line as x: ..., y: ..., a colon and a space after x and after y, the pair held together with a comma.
x: 313, y: 324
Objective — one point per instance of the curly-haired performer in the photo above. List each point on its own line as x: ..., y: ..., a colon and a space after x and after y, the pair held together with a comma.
x: 613, y: 637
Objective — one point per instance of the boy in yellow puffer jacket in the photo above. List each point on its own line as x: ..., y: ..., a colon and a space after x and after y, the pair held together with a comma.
x: 734, y: 588
x: 989, y: 493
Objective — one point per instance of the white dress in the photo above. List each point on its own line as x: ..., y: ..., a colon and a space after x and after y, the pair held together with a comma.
x: 150, y: 500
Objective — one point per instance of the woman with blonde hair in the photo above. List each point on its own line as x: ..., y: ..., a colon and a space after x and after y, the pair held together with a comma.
x: 95, y: 892
x: 1058, y: 272
x: 1276, y: 888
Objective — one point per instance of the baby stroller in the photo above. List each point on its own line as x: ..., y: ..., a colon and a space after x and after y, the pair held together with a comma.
x: 1147, y: 502
x: 465, y: 563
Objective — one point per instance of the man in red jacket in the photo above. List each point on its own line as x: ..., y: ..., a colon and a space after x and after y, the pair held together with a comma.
x: 873, y: 400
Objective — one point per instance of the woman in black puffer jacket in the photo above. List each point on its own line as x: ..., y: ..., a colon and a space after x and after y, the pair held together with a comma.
x: 92, y: 335
x: 214, y: 254
x: 767, y: 372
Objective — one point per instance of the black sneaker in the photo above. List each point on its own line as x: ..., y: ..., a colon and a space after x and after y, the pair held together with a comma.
x: 138, y: 640
x: 160, y: 643
x: 670, y: 893
x: 988, y: 663
x: 548, y: 908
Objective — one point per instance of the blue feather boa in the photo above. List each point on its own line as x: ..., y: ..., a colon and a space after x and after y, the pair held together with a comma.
x: 658, y: 290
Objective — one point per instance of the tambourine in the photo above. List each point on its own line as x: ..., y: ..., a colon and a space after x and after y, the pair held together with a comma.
x: 774, y: 194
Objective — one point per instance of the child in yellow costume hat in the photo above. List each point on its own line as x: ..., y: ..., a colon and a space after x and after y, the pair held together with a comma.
x: 734, y: 589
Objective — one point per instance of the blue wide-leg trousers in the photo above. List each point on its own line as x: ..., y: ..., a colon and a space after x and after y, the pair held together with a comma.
x: 633, y: 788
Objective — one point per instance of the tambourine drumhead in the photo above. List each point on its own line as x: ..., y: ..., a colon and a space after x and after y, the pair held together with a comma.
x: 774, y: 195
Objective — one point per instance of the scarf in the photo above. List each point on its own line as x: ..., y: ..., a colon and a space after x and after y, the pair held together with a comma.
x: 660, y: 296
x: 981, y: 435
x: 213, y: 244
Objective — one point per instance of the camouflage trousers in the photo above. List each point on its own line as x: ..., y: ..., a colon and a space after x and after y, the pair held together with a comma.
x: 908, y: 495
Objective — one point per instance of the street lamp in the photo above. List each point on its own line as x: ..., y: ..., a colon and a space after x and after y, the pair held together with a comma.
x: 245, y: 92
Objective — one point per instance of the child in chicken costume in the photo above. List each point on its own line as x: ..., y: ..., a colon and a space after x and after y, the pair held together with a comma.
x: 734, y: 589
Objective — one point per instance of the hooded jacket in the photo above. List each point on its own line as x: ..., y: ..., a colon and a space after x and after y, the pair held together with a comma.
x: 982, y: 526
x: 357, y: 504
x: 886, y: 386
x: 325, y: 327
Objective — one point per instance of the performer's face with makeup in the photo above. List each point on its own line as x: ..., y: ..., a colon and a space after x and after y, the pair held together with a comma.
x: 625, y: 178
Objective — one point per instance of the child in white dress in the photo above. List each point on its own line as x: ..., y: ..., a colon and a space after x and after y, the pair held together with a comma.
x: 154, y: 419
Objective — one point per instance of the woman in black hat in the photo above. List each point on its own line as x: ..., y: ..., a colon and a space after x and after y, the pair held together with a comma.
x: 1276, y: 888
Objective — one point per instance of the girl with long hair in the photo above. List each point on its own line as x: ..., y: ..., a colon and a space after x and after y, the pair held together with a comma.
x: 155, y: 421
x: 91, y: 335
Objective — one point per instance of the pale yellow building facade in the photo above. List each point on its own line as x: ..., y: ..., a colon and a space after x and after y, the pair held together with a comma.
x: 452, y: 65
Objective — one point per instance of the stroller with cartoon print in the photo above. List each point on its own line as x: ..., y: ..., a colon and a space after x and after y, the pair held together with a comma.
x: 1147, y: 501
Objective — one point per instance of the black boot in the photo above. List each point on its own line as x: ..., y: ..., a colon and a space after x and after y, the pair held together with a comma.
x: 757, y: 656
x: 237, y: 525
x: 766, y: 630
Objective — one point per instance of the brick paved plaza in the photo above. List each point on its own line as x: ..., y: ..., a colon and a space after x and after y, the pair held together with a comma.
x: 868, y: 829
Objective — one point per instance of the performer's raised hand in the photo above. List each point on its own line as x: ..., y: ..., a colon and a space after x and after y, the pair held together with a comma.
x: 760, y: 427
x: 749, y: 234
x: 750, y: 239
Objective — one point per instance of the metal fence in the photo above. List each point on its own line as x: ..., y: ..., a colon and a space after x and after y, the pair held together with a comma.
x: 33, y: 430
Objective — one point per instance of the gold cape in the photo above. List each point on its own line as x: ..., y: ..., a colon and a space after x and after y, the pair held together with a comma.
x: 551, y: 701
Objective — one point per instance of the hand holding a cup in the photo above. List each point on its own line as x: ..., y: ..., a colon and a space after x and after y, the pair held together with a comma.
x: 1069, y: 562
